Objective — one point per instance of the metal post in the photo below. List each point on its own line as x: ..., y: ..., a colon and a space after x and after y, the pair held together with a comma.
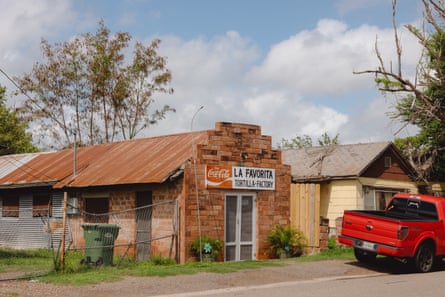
x: 62, y: 244
x: 75, y: 154
x: 196, y: 184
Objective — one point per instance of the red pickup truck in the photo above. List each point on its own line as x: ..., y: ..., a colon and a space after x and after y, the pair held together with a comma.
x: 410, y: 229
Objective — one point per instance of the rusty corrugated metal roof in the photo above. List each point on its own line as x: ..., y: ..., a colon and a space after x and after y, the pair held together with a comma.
x: 327, y: 162
x: 9, y: 163
x: 146, y: 160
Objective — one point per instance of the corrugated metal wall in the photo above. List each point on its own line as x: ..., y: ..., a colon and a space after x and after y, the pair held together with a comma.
x: 26, y: 231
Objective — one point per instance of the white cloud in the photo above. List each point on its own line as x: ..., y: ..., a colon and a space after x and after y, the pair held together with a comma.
x: 322, y: 61
x: 23, y: 23
x: 371, y: 123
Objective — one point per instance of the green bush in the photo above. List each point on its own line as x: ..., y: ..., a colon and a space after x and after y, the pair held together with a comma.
x: 332, y: 243
x: 210, y: 247
x: 286, y: 241
x: 159, y: 260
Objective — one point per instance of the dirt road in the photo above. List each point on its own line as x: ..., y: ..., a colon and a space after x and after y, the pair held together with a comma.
x: 152, y: 286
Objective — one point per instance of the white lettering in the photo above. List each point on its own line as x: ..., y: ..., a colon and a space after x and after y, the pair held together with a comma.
x: 219, y: 173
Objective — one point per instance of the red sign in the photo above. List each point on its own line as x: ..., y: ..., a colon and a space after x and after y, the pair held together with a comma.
x: 219, y: 177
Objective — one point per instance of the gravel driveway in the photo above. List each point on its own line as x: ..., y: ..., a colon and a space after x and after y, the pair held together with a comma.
x: 152, y: 286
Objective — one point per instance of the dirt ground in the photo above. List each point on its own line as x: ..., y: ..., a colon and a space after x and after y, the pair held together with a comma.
x: 153, y: 286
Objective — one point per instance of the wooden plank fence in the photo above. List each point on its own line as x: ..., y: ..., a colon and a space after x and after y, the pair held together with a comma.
x: 305, y: 212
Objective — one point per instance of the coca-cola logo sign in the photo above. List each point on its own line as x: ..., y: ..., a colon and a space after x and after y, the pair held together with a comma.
x: 219, y: 176
x: 218, y: 173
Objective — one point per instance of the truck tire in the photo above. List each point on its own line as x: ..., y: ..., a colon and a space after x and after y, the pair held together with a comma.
x: 364, y: 256
x: 424, y: 259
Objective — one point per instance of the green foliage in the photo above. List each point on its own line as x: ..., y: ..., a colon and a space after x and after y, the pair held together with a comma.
x: 286, y: 241
x: 338, y: 253
x: 26, y: 260
x: 332, y: 243
x: 327, y: 140
x: 31, y: 261
x: 13, y: 136
x: 306, y: 141
x: 209, y: 246
x: 159, y: 260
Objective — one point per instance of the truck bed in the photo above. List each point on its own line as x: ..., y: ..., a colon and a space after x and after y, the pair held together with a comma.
x: 401, y: 217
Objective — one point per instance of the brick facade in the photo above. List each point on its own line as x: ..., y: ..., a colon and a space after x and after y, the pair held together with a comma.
x: 234, y: 145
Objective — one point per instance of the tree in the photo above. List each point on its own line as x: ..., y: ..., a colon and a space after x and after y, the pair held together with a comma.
x: 87, y: 88
x: 306, y: 141
x: 422, y: 98
x: 13, y: 136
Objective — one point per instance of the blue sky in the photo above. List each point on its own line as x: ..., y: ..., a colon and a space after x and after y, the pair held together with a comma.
x: 284, y: 65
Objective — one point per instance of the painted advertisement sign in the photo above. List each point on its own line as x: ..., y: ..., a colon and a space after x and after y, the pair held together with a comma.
x: 234, y: 177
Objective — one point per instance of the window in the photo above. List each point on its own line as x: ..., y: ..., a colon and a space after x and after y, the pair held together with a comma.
x: 377, y: 199
x: 414, y: 208
x: 387, y: 162
x: 41, y: 205
x: 97, y: 210
x: 10, y: 206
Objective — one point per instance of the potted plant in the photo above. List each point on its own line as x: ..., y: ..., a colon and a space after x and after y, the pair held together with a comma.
x: 210, y: 248
x: 286, y: 241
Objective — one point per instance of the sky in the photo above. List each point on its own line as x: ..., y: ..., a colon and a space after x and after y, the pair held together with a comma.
x: 285, y: 65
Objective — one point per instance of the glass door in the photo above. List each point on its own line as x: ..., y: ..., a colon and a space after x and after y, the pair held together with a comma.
x: 239, y: 226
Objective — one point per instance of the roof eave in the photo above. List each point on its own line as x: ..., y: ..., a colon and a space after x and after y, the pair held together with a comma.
x: 27, y: 185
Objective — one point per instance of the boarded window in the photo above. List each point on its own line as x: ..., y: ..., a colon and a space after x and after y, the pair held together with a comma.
x: 41, y: 205
x: 10, y: 206
x: 97, y: 210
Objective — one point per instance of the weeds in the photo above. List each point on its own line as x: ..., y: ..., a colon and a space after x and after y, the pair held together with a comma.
x: 80, y: 274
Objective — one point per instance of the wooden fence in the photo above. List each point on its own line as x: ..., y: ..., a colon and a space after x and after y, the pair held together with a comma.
x: 305, y: 212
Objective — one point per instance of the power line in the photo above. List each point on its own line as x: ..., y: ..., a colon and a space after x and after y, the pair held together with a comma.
x: 14, y: 83
x: 18, y: 164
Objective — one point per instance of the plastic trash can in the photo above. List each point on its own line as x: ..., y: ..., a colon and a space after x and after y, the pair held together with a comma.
x: 99, y: 243
x: 109, y: 233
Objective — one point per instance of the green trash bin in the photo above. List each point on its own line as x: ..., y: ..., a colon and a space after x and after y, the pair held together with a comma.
x: 99, y: 243
x: 109, y: 234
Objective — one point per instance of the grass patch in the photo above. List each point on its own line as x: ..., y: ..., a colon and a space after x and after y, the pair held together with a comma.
x: 337, y: 253
x: 92, y: 275
x: 80, y: 274
x: 26, y: 260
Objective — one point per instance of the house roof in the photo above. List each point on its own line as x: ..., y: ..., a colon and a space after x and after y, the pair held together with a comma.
x: 138, y: 161
x: 9, y: 163
x: 334, y: 161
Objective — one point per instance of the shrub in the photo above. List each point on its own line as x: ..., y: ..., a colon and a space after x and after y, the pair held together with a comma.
x: 159, y: 260
x: 210, y: 247
x: 332, y: 243
x: 286, y: 241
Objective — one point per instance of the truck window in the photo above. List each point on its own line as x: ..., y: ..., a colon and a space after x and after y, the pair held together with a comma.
x: 413, y: 208
x: 397, y: 206
x: 428, y: 211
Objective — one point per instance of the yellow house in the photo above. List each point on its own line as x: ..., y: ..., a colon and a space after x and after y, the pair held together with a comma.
x: 354, y: 176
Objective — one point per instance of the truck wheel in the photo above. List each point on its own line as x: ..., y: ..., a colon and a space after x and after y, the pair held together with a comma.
x: 364, y: 256
x: 424, y: 259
